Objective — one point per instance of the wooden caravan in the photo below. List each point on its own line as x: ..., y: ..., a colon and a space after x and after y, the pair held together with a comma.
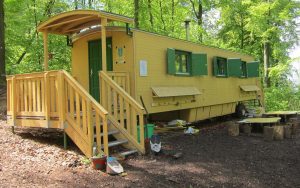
x: 113, y: 69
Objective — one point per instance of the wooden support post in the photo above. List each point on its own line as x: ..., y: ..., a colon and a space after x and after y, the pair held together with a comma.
x: 46, y: 53
x: 47, y: 99
x: 141, y: 123
x: 90, y: 127
x: 103, y: 40
x: 105, y: 135
x: 65, y: 140
x: 61, y: 98
x: 13, y: 102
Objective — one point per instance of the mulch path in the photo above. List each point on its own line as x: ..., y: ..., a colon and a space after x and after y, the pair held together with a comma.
x: 36, y: 158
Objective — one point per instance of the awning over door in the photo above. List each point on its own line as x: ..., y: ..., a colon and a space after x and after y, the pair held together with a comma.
x: 74, y: 21
x: 175, y: 91
x: 248, y: 88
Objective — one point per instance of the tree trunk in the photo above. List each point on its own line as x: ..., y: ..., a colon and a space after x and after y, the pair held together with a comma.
x: 242, y: 31
x: 198, y: 13
x: 76, y: 4
x: 161, y: 16
x: 90, y: 4
x: 150, y: 13
x: 136, y: 13
x: 173, y: 15
x: 2, y: 41
x: 266, y: 64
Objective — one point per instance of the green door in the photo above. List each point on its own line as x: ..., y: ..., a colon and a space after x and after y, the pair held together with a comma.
x: 95, y: 64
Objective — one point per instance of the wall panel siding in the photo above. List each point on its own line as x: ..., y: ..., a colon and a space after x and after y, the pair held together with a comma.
x: 153, y: 49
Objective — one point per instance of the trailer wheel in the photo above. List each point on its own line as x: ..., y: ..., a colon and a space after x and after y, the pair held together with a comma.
x: 240, y: 110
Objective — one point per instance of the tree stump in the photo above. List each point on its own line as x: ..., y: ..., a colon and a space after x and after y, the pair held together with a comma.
x: 246, y: 129
x: 233, y: 129
x: 295, y: 123
x: 268, y: 133
x: 278, y: 132
x: 288, y: 131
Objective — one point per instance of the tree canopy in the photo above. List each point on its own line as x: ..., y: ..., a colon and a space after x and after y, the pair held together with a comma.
x: 266, y: 29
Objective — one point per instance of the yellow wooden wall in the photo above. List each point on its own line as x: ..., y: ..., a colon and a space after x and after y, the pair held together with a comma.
x: 216, y: 91
x: 80, y: 63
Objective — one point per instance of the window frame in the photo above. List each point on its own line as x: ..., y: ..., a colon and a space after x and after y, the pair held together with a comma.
x: 218, y: 67
x: 244, y: 69
x: 188, y: 61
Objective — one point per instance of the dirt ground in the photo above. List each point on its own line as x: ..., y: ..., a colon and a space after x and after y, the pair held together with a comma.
x: 35, y: 158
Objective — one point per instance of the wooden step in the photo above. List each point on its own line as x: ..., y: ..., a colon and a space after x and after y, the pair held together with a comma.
x: 129, y: 152
x: 116, y: 143
x: 109, y: 133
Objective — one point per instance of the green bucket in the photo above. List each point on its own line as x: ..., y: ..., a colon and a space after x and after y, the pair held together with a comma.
x: 147, y: 128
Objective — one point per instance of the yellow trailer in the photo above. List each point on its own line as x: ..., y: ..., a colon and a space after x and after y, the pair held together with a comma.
x: 114, y: 68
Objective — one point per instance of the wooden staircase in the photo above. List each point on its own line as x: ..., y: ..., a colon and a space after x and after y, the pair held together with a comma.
x: 54, y: 99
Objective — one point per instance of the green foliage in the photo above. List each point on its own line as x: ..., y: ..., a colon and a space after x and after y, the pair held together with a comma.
x: 24, y: 45
x: 240, y: 25
x: 282, y: 98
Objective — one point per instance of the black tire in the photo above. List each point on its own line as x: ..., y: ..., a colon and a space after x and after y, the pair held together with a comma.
x: 240, y: 110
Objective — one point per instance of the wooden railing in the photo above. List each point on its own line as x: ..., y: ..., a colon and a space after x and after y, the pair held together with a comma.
x: 57, y: 95
x: 121, y: 78
x: 124, y: 112
x: 33, y: 95
x: 84, y: 113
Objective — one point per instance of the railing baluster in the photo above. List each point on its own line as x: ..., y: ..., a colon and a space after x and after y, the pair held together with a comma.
x: 90, y: 127
x: 34, y: 95
x: 98, y: 131
x: 115, y: 102
x: 25, y: 96
x: 133, y: 124
x: 128, y: 118
x: 84, y: 122
x: 71, y: 102
x: 121, y: 111
x: 29, y: 95
x: 47, y: 98
x: 141, y: 124
x: 38, y: 96
x: 77, y: 110
x: 13, y: 101
x: 61, y: 103
x: 105, y: 135
x: 109, y: 102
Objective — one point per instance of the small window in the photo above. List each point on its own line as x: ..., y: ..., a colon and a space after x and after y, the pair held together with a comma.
x: 220, y: 66
x: 244, y: 69
x: 182, y: 62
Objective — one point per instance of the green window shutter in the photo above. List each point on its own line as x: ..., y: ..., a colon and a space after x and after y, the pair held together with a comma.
x: 199, y: 64
x: 215, y: 66
x: 234, y: 67
x: 253, y: 69
x: 171, y: 61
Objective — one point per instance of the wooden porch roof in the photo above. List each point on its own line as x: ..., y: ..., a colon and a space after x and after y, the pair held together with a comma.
x: 74, y: 21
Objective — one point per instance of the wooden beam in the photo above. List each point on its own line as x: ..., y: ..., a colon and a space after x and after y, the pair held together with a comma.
x: 77, y: 28
x: 103, y: 39
x: 46, y: 53
x: 68, y: 21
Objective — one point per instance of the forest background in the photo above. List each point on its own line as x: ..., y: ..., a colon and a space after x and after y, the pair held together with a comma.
x: 266, y: 29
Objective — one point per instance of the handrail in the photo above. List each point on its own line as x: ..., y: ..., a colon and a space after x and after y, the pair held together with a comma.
x: 120, y: 90
x: 57, y: 95
x: 91, y: 114
x: 124, y: 112
x: 121, y: 78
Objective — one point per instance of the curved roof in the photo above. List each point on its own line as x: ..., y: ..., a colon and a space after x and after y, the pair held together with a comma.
x: 74, y: 21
